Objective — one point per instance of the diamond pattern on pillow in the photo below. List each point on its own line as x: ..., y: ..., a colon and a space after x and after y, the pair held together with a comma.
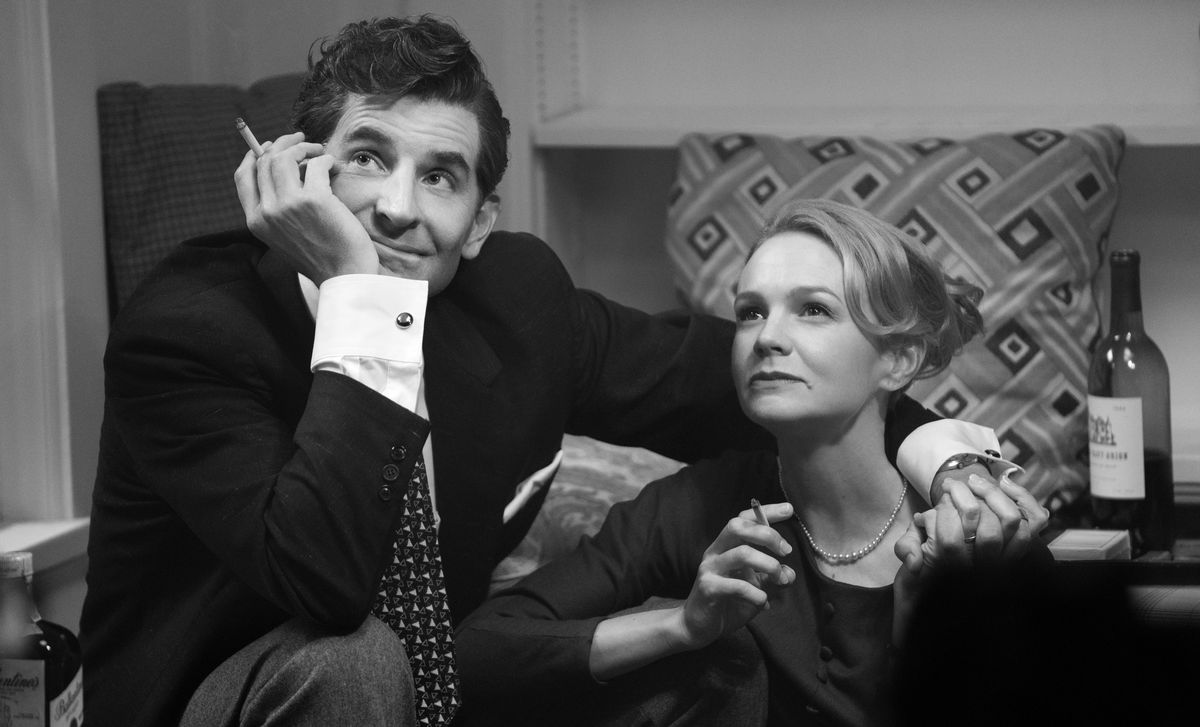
x: 1024, y: 215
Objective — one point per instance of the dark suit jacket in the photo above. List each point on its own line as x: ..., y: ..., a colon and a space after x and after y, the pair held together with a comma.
x: 236, y: 489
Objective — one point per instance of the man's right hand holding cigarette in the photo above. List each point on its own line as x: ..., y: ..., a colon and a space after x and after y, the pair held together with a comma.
x: 299, y: 215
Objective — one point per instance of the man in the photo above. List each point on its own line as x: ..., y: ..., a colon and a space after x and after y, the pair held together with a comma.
x: 274, y: 399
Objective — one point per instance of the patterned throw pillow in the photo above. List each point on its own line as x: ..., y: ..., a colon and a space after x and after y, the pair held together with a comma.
x: 1025, y: 216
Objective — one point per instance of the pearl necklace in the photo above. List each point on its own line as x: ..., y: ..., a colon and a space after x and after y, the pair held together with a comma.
x: 842, y: 558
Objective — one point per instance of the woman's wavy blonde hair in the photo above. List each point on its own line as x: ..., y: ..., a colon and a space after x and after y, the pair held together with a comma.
x: 896, y: 292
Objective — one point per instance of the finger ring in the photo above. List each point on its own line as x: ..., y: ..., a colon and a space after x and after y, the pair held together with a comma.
x: 969, y: 539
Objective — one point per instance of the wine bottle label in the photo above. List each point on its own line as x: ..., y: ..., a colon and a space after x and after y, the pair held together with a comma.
x: 66, y: 710
x: 1115, y: 447
x: 22, y: 695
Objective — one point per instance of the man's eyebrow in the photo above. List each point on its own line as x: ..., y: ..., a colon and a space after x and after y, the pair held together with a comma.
x: 368, y: 134
x: 451, y: 160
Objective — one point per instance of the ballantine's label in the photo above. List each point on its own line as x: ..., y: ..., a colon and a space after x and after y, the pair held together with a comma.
x: 22, y: 696
x: 1115, y: 447
x: 66, y: 710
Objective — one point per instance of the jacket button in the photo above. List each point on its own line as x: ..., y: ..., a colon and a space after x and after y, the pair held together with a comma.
x: 399, y: 452
x: 391, y: 472
x: 385, y: 493
x: 404, y: 320
x: 829, y: 610
x: 826, y: 653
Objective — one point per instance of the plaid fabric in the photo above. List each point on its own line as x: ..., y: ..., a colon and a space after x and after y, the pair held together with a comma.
x: 1170, y: 606
x: 167, y: 155
x: 1025, y: 216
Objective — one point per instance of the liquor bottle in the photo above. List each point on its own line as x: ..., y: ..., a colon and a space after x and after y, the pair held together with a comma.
x: 1129, y: 421
x: 41, y: 673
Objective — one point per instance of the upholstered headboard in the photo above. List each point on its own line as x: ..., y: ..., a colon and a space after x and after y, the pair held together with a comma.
x: 167, y: 157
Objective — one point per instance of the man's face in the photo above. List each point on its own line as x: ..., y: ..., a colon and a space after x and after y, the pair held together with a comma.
x: 407, y: 173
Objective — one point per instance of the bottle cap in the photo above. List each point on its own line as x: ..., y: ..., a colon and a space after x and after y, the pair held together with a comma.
x: 18, y: 564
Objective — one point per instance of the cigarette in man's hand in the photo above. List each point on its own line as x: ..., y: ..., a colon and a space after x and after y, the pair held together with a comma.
x: 248, y: 135
x: 758, y: 512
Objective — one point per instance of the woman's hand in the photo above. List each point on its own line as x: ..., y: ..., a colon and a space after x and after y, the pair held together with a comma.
x: 736, y: 576
x: 1014, y: 518
x: 298, y: 214
x: 933, y: 537
x: 1001, y: 514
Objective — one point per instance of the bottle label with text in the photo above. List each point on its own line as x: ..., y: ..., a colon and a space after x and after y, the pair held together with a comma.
x: 1115, y: 447
x: 66, y: 710
x: 22, y: 695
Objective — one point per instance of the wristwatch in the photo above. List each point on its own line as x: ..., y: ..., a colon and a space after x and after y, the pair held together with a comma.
x: 966, y: 459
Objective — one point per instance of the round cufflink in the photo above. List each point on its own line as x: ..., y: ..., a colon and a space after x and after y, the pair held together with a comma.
x: 404, y: 320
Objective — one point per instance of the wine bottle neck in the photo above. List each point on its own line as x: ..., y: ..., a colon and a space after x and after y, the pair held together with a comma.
x: 1126, y: 309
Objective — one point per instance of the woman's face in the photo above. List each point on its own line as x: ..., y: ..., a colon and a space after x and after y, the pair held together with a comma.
x: 798, y: 356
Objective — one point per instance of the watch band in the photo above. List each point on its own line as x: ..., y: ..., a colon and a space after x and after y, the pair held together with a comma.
x: 966, y: 459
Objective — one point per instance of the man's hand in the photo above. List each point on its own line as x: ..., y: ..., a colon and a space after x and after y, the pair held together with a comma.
x: 299, y: 216
x: 1001, y: 515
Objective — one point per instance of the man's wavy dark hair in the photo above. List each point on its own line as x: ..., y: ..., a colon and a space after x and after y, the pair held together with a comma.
x: 425, y: 57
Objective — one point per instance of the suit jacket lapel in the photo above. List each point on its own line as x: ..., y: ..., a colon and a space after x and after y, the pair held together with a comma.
x: 466, y: 408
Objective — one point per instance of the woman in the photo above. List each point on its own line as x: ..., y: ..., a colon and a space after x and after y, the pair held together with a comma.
x: 837, y: 313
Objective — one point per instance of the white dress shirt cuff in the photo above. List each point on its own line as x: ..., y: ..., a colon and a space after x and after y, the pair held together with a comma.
x: 924, y: 451
x: 370, y: 328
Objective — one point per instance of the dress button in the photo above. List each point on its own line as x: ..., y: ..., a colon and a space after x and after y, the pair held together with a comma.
x: 399, y: 452
x: 404, y: 320
x: 385, y: 493
x: 826, y: 653
x: 823, y: 674
x: 391, y: 472
x: 829, y: 610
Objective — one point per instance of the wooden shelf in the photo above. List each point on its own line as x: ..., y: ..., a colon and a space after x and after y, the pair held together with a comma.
x: 661, y: 127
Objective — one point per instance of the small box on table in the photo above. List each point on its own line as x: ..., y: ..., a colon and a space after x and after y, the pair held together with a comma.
x: 1082, y: 544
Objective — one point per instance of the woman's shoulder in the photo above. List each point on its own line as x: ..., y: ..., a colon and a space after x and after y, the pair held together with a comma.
x: 723, y: 484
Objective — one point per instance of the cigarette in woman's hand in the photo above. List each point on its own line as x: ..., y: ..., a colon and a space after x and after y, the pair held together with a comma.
x: 758, y: 512
x: 248, y: 135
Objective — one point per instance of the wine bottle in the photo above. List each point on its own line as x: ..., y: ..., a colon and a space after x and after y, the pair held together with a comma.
x: 41, y: 672
x: 1129, y: 421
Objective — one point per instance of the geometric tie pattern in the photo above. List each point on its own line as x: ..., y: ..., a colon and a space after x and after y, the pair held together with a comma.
x: 412, y: 601
x: 1025, y: 216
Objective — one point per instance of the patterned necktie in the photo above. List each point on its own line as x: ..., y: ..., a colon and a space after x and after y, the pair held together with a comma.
x: 412, y: 601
